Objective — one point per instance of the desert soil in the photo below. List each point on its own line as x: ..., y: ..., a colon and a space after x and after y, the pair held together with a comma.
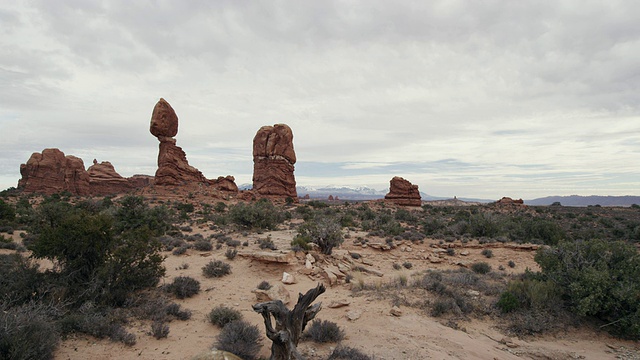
x: 413, y: 335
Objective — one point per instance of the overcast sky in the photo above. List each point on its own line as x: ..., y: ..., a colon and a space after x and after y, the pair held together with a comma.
x: 469, y: 98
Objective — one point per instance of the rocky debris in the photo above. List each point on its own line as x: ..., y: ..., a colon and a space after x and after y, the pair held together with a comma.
x: 354, y: 315
x: 395, y: 311
x: 173, y: 167
x: 271, y: 257
x: 404, y: 193
x: 273, y: 162
x: 377, y: 245
x: 52, y: 172
x: 277, y: 292
x: 434, y: 259
x: 288, y: 278
x: 464, y: 252
x: 103, y: 179
x: 334, y: 304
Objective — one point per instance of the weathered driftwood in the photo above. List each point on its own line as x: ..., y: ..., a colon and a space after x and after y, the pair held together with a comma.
x: 289, y: 323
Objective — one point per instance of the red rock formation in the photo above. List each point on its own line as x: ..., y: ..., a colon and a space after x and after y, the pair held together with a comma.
x: 509, y: 201
x: 402, y: 192
x: 51, y: 172
x: 173, y: 167
x: 227, y: 183
x: 330, y: 198
x: 103, y: 179
x: 273, y: 162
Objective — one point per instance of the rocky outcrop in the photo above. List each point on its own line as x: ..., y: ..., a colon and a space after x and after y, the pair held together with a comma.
x: 52, y: 172
x: 273, y: 162
x: 103, y: 179
x: 225, y: 183
x: 509, y: 201
x: 402, y: 192
x: 173, y: 167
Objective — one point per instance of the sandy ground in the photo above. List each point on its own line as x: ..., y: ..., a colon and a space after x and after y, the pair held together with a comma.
x: 413, y: 335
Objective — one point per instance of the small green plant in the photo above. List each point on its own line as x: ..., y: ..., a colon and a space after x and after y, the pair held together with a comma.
x: 159, y: 330
x: 264, y: 285
x: 231, y: 254
x: 323, y: 331
x: 487, y: 253
x: 222, y: 315
x: 216, y: 268
x: 508, y: 302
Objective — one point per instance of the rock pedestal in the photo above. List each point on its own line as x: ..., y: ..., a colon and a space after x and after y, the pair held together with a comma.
x: 273, y: 162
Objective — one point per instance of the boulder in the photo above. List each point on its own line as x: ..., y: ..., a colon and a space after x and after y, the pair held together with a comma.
x: 277, y: 292
x: 104, y: 180
x: 288, y: 279
x: 164, y: 121
x: 273, y: 162
x: 225, y: 183
x: 404, y: 193
x: 52, y: 172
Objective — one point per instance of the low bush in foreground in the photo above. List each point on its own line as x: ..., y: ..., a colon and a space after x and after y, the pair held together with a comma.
x: 324, y: 331
x: 347, y: 353
x: 222, y: 315
x: 26, y: 333
x: 216, y: 268
x: 240, y: 338
x: 184, y: 287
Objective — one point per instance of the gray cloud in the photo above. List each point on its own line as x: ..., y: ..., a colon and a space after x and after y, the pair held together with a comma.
x: 466, y: 97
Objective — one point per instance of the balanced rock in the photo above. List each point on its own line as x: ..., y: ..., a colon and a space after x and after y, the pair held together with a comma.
x: 173, y: 167
x: 103, y: 179
x: 51, y: 172
x: 404, y: 193
x: 273, y: 162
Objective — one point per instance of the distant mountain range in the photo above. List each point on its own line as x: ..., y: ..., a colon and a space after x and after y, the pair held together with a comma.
x: 367, y: 193
x: 577, y: 200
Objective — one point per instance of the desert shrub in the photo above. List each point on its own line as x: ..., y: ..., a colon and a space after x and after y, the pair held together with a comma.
x: 347, y: 353
x: 442, y: 306
x: 324, y: 231
x: 203, y: 245
x: 267, y: 244
x: 7, y: 212
x: 27, y: 332
x: 323, y: 331
x: 133, y: 213
x: 511, y: 264
x: 484, y: 225
x: 487, y: 253
x: 240, y: 338
x: 300, y: 243
x: 181, y: 250
x: 508, y: 302
x: 383, y: 222
x: 222, y: 315
x: 407, y: 265
x: 232, y: 243
x: 184, y: 287
x: 175, y: 310
x: 396, y: 266
x: 259, y: 215
x: 99, y: 323
x: 264, y: 285
x: 159, y: 330
x: 598, y: 279
x: 481, y: 268
x: 231, y: 254
x: 216, y: 268
x: 451, y: 251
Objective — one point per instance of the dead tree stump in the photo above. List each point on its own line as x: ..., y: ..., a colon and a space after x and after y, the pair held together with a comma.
x: 289, y: 323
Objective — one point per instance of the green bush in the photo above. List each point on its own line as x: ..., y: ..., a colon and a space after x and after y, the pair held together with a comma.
x: 216, y: 268
x: 508, y: 302
x: 259, y: 215
x: 325, y: 231
x: 598, y: 279
x: 481, y: 268
x: 240, y: 338
x: 222, y: 315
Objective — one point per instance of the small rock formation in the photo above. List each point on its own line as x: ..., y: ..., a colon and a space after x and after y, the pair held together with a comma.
x: 225, y: 183
x: 103, y: 179
x: 509, y: 201
x: 402, y: 192
x: 273, y: 162
x: 173, y: 167
x: 51, y: 172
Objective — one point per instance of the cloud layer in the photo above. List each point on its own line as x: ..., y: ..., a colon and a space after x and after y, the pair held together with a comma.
x: 484, y: 99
